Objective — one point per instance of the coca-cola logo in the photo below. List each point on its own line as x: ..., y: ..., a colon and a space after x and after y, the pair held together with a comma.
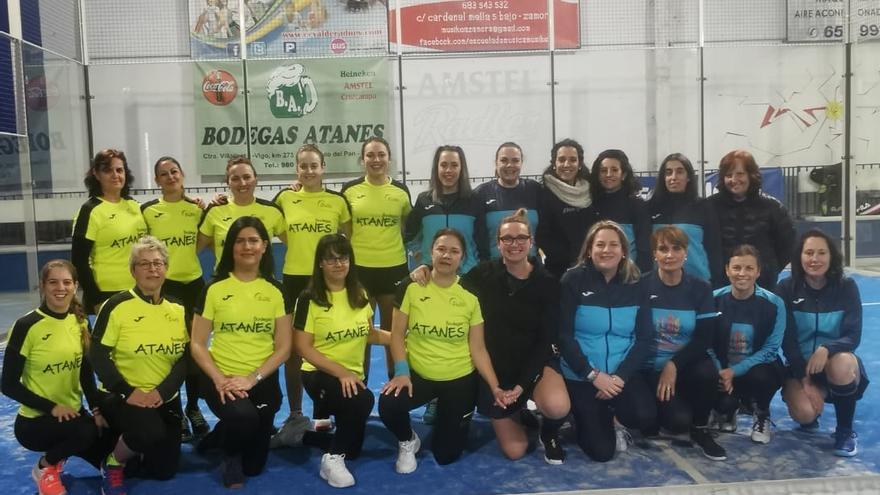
x: 38, y: 95
x: 338, y: 45
x: 219, y: 87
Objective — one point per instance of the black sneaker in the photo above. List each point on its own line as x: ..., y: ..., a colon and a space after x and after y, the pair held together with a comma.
x: 186, y: 435
x: 553, y: 452
x: 707, y: 445
x: 200, y: 427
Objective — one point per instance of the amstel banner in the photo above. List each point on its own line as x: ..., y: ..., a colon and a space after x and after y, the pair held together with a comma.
x: 335, y: 103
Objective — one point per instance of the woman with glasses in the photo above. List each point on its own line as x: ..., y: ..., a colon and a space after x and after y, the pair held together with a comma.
x: 245, y: 315
x: 437, y: 343
x: 137, y: 351
x: 105, y: 228
x: 676, y: 202
x: 334, y: 323
x: 604, y: 337
x: 174, y: 219
x: 310, y: 213
x: 564, y: 207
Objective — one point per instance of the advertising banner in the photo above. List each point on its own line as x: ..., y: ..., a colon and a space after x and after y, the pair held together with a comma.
x: 483, y: 25
x: 334, y: 103
x: 287, y: 28
x: 823, y: 20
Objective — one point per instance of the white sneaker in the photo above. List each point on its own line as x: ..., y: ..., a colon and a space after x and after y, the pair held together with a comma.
x: 761, y: 429
x: 406, y: 455
x: 334, y: 471
x: 623, y: 439
x: 323, y: 424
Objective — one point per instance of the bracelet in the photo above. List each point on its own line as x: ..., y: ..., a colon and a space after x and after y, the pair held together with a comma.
x: 401, y: 368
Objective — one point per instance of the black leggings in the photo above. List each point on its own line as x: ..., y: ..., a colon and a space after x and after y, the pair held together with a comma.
x: 351, y: 413
x: 245, y: 425
x: 187, y: 293
x: 635, y: 407
x: 455, y: 406
x: 760, y: 384
x: 153, y: 433
x: 696, y: 387
x: 76, y: 437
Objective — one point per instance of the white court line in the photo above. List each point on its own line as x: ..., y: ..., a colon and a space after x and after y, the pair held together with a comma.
x: 681, y: 462
x: 871, y: 304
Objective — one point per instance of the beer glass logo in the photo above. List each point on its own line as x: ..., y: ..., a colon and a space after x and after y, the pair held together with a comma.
x: 219, y: 87
x: 290, y: 93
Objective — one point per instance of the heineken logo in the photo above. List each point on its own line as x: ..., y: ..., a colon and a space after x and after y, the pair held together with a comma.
x: 219, y: 87
x: 290, y: 92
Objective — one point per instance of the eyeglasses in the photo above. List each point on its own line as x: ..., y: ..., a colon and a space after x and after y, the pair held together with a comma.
x: 146, y: 265
x: 337, y: 260
x: 520, y: 239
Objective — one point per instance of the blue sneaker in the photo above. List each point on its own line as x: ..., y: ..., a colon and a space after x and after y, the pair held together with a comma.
x: 112, y: 479
x: 846, y: 443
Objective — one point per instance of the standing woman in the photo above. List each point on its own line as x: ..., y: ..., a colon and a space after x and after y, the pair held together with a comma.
x: 824, y: 328
x: 247, y: 318
x: 448, y: 203
x: 379, y: 207
x: 437, y: 341
x: 501, y: 197
x: 216, y: 220
x: 334, y: 323
x: 174, y: 219
x: 615, y: 197
x: 747, y: 216
x: 751, y: 323
x: 564, y: 207
x: 138, y: 344
x: 683, y: 321
x: 52, y: 419
x: 675, y: 201
x: 310, y: 213
x: 105, y: 228
x: 605, y: 335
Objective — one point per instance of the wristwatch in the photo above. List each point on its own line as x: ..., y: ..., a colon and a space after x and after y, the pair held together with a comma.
x: 592, y: 375
x: 258, y: 376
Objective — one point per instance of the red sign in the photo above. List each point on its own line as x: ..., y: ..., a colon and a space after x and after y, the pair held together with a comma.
x: 219, y: 87
x: 485, y: 25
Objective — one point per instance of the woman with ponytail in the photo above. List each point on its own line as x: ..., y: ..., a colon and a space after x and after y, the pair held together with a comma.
x: 52, y: 419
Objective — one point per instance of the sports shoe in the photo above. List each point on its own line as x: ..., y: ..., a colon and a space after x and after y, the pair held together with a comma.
x: 200, y: 427
x: 761, y: 428
x: 291, y: 432
x: 553, y: 452
x: 430, y: 412
x: 702, y: 438
x: 622, y: 439
x: 406, y: 455
x: 811, y: 427
x: 846, y: 443
x: 112, y: 479
x: 233, y: 475
x: 48, y: 479
x: 323, y: 424
x: 333, y: 470
x: 186, y: 435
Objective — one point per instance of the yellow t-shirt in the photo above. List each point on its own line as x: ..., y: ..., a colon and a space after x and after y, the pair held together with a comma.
x: 177, y: 225
x: 340, y: 331
x: 113, y: 227
x: 146, y: 339
x: 439, y: 323
x: 217, y: 219
x: 377, y: 214
x: 53, y: 353
x: 309, y: 216
x: 243, y: 321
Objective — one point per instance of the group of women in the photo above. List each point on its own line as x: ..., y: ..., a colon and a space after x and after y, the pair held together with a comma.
x: 616, y: 326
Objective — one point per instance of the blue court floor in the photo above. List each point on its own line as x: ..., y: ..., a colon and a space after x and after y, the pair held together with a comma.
x: 483, y: 470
